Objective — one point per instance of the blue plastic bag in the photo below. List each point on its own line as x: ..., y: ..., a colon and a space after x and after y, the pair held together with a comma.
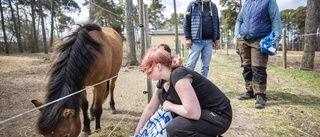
x: 267, y: 46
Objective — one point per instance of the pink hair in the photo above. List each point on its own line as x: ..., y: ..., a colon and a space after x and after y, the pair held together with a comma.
x: 161, y: 56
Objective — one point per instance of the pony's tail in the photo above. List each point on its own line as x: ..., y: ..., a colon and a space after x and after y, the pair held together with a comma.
x: 74, y: 56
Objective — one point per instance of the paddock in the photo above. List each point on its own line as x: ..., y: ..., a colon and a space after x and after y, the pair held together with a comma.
x: 22, y: 77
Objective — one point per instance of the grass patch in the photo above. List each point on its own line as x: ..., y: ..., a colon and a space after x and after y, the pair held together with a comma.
x: 303, y: 79
x: 114, y: 131
x: 293, y: 98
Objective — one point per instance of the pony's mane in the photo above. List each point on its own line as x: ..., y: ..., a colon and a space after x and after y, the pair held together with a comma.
x: 73, y: 57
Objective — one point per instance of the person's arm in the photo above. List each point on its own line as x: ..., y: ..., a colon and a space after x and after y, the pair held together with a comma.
x: 217, y: 18
x: 190, y: 107
x: 149, y: 110
x: 187, y: 23
x: 238, y: 24
x: 275, y: 20
x: 215, y: 9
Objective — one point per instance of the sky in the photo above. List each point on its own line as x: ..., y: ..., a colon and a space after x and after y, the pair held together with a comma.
x: 181, y: 6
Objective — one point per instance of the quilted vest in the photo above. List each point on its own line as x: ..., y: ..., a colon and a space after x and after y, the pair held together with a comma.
x: 256, y: 19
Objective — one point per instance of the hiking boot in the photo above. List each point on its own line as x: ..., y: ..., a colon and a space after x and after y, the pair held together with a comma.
x: 260, y: 101
x: 246, y: 96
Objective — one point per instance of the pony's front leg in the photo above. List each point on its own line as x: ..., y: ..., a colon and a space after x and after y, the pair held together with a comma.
x: 84, y: 106
x: 99, y: 92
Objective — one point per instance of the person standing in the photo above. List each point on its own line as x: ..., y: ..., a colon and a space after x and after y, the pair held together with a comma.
x: 255, y: 21
x: 202, y: 32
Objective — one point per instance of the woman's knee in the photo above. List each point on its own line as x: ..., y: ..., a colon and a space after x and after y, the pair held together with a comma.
x: 178, y: 127
x: 170, y: 128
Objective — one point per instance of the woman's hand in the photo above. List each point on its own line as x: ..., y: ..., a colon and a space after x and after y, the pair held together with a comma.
x: 166, y: 105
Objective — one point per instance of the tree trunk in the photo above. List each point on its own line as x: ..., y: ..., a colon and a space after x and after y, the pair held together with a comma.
x: 299, y: 45
x: 176, y: 28
x: 312, y: 18
x: 4, y: 30
x: 52, y: 23
x: 24, y: 31
x: 35, y: 38
x: 292, y: 44
x: 15, y: 26
x: 131, y: 53
x: 19, y: 30
x: 91, y: 11
x: 318, y: 36
x: 43, y: 28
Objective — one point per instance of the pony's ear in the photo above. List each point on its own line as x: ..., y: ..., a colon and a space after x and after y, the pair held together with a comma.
x: 67, y: 113
x: 37, y: 103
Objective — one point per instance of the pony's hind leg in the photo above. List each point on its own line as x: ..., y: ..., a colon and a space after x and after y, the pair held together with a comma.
x: 112, y: 103
x: 107, y: 90
x: 84, y: 106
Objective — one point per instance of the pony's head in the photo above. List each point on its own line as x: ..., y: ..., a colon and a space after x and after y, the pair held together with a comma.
x: 70, y: 126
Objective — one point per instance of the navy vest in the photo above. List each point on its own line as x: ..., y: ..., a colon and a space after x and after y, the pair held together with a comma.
x: 196, y: 21
x: 256, y: 19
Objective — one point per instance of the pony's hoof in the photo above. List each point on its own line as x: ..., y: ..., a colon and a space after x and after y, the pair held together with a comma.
x: 97, y: 130
x: 84, y: 134
x: 113, y: 111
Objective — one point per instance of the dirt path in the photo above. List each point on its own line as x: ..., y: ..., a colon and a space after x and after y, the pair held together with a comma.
x: 23, y: 79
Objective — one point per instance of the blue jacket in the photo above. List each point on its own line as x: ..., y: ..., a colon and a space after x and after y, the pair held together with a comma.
x: 193, y: 19
x: 257, y: 19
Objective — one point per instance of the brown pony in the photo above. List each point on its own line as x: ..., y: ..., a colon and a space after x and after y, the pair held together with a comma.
x: 88, y: 56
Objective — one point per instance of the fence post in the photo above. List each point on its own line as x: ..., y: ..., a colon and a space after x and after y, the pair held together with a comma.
x: 284, y: 48
x: 142, y: 29
x: 147, y: 41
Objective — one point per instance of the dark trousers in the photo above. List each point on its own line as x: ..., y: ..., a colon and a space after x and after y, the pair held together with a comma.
x: 210, y: 124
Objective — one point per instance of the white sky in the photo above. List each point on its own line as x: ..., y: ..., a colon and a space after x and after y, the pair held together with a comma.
x: 181, y: 6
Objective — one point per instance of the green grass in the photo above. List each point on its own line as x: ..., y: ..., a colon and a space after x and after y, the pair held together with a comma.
x: 293, y: 107
x: 114, y: 131
x: 304, y: 79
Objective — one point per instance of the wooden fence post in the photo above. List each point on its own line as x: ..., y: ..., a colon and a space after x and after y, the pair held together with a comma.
x: 147, y: 41
x: 284, y: 48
